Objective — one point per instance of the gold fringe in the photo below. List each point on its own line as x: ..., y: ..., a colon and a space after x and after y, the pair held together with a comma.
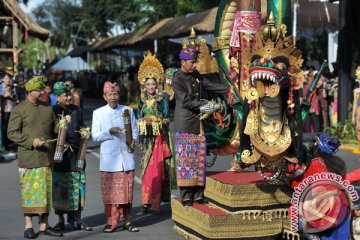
x: 267, y: 215
x: 185, y: 234
x: 225, y: 226
x: 248, y: 195
x: 291, y: 235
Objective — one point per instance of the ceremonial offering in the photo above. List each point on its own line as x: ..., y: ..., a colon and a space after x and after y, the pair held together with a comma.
x: 149, y: 125
x: 85, y: 134
x: 59, y: 151
x: 128, y: 130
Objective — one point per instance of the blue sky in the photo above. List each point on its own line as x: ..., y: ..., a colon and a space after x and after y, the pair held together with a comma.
x: 31, y: 5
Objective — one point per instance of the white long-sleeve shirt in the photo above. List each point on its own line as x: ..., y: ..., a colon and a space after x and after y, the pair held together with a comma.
x: 114, y: 156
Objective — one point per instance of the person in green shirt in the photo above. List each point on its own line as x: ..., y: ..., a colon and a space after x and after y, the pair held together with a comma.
x: 31, y: 124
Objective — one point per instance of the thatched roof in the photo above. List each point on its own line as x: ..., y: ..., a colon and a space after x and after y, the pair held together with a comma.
x: 121, y: 40
x: 310, y: 15
x: 13, y: 8
x: 202, y: 22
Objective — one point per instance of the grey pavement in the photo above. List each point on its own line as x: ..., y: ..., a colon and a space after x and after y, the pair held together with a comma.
x: 159, y: 227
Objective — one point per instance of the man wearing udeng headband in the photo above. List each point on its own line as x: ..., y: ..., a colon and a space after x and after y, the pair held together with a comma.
x: 117, y: 165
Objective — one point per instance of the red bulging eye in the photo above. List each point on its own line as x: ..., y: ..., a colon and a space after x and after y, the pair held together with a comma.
x: 262, y: 61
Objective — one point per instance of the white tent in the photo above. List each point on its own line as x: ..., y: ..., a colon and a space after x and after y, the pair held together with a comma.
x: 71, y: 64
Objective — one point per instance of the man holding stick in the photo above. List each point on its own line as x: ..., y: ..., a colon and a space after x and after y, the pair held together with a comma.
x: 69, y: 177
x: 31, y: 127
x: 117, y: 160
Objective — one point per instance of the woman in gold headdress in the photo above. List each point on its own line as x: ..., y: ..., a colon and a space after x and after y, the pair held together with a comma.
x: 157, y: 164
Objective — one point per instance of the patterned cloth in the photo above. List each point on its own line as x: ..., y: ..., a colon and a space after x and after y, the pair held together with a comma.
x: 117, y: 187
x: 111, y: 87
x: 60, y: 88
x: 69, y: 191
x: 35, y: 83
x: 117, y: 193
x: 36, y: 189
x: 153, y: 177
x: 190, y: 156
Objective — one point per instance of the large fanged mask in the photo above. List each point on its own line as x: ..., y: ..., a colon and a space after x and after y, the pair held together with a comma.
x: 267, y: 77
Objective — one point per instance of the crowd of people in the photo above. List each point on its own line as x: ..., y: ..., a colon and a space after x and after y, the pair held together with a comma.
x: 324, y: 100
x: 37, y: 112
x: 34, y: 112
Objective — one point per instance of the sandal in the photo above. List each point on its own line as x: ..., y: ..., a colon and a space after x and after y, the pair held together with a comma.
x: 131, y: 228
x: 108, y: 229
x: 60, y: 226
x: 84, y: 227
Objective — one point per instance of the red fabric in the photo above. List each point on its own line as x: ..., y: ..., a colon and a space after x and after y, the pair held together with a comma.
x: 154, y: 175
x: 353, y: 176
x: 207, y: 209
x: 237, y: 178
x: 313, y: 100
x: 111, y: 87
x: 115, y: 212
x: 317, y: 165
x: 117, y: 187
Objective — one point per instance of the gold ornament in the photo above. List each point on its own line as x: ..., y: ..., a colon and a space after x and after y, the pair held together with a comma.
x: 151, y: 68
x: 260, y: 89
x: 234, y: 63
x: 274, y: 90
x: 357, y: 72
x: 250, y: 159
x: 252, y: 94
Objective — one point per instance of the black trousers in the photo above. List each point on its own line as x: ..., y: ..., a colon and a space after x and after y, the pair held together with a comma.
x: 192, y: 193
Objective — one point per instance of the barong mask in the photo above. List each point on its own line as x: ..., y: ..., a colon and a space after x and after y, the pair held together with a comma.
x: 269, y: 88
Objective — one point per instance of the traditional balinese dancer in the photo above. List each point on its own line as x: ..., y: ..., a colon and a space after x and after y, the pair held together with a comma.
x: 117, y: 161
x: 190, y: 144
x: 69, y: 178
x: 31, y: 125
x: 157, y: 163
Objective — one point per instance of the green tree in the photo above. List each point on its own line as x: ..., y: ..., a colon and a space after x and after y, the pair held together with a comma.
x: 193, y: 6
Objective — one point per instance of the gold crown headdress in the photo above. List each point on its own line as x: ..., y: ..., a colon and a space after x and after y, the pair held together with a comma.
x: 272, y: 42
x: 151, y: 68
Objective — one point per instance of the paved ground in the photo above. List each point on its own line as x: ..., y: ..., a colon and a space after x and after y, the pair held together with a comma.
x: 157, y: 227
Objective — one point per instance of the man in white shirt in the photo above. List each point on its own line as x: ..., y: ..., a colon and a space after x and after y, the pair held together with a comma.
x: 116, y: 163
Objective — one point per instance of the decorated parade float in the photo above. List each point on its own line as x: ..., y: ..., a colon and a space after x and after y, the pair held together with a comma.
x: 261, y: 125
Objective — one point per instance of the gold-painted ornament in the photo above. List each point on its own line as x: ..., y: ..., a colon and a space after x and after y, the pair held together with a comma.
x: 274, y: 90
x: 252, y: 94
x: 260, y: 88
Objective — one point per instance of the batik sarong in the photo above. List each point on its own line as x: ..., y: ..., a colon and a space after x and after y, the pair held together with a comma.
x: 190, y: 156
x: 117, y: 194
x: 69, y: 191
x: 36, y: 189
